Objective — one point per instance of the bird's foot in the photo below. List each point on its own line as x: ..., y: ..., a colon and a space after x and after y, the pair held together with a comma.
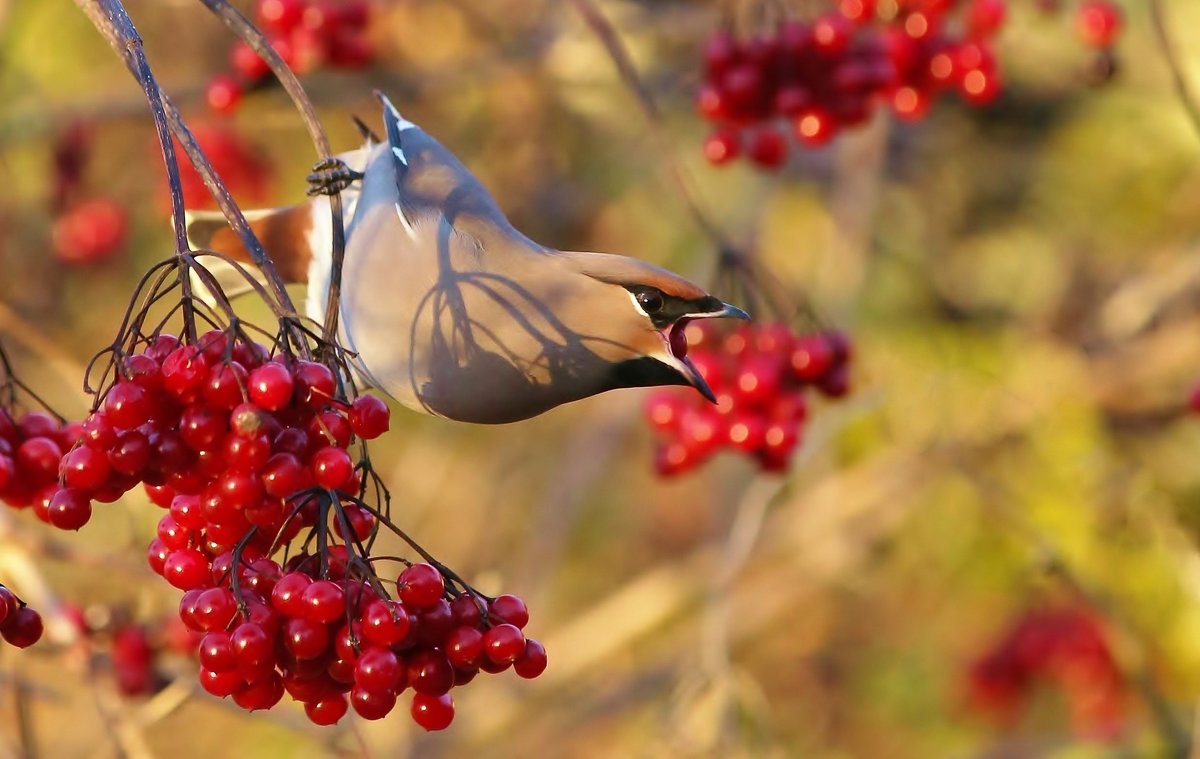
x: 330, y: 176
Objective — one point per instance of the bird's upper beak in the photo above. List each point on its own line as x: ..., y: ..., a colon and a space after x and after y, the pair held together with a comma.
x: 677, y: 342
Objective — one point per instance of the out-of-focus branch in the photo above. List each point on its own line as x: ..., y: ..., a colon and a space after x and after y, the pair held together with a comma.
x: 110, y: 19
x: 604, y: 31
x: 1183, y: 88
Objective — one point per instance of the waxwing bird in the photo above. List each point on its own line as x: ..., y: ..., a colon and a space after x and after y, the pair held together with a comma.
x: 452, y: 311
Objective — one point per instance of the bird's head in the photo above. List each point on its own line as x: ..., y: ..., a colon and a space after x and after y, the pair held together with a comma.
x: 640, y: 312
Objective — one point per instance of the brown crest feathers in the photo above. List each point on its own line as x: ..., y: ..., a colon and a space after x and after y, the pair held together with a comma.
x: 282, y: 231
x: 625, y: 271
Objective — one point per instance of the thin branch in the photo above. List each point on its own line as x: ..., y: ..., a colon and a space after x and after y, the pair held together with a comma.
x: 604, y: 31
x: 248, y: 32
x: 1187, y: 97
x: 110, y: 19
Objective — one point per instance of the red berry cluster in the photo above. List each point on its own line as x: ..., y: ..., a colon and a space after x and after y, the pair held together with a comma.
x: 1063, y: 647
x: 760, y: 376
x: 86, y: 229
x: 20, y: 625
x: 306, y: 34
x: 813, y: 80
x: 336, y: 641
x: 31, y: 453
x: 245, y: 451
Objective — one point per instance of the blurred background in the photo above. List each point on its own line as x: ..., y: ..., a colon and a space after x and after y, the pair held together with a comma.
x: 988, y: 548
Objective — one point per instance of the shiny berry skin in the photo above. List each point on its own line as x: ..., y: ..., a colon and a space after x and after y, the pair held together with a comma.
x: 69, y: 509
x: 429, y: 672
x: 288, y: 594
x: 305, y: 639
x: 262, y: 694
x: 369, y: 417
x: 323, y: 601
x: 23, y: 628
x: 271, y: 386
x: 378, y: 669
x: 327, y: 710
x: 509, y: 608
x: 385, y: 623
x: 420, y: 586
x: 85, y: 468
x: 215, y: 609
x: 315, y: 383
x: 186, y: 569
x: 433, y: 712
x: 532, y: 662
x: 8, y: 603
x: 252, y: 645
x: 280, y: 15
x: 503, y: 643
x: 128, y: 405
x: 283, y: 475
x: 464, y: 646
x: 216, y: 652
x: 371, y: 704
x: 332, y: 467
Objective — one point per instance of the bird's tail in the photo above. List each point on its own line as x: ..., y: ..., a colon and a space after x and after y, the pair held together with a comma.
x: 290, y: 236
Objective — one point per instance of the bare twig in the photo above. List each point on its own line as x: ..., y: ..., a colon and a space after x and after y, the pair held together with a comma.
x: 603, y: 29
x: 110, y: 19
x: 258, y: 42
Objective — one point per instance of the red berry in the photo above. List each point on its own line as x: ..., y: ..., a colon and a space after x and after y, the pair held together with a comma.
x: 503, y: 643
x: 262, y: 694
x: 420, y: 586
x: 90, y: 232
x: 385, y: 623
x: 23, y: 628
x: 831, y: 35
x: 464, y: 646
x: 433, y: 712
x: 429, y: 672
x: 324, y: 601
x: 721, y: 146
x: 768, y: 148
x: 288, y: 594
x: 271, y: 386
x: 69, y: 509
x: 509, y: 608
x: 252, y: 646
x: 216, y: 652
x: 815, y: 126
x: 315, y: 383
x: 985, y: 17
x: 283, y: 475
x: 247, y: 62
x: 378, y: 669
x: 1098, y: 22
x: 305, y: 639
x: 215, y: 609
x: 328, y: 710
x: 332, y: 468
x: 532, y: 662
x: 280, y: 15
x: 128, y: 405
x: 186, y: 568
x: 372, y: 704
x: 369, y: 417
x: 85, y: 468
x: 223, y: 93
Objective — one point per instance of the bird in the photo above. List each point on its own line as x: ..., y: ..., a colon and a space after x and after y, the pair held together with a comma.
x: 450, y: 310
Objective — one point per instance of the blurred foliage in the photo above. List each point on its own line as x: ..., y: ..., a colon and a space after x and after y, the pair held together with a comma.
x: 1022, y: 285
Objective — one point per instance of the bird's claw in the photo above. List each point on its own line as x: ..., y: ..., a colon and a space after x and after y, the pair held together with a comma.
x: 330, y: 176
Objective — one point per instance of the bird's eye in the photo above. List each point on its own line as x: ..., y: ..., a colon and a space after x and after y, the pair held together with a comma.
x: 651, y: 301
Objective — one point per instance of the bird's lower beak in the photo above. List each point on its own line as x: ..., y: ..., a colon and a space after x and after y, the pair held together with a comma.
x: 698, y: 381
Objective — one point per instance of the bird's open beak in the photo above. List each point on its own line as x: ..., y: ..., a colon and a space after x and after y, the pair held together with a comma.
x: 678, y: 343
